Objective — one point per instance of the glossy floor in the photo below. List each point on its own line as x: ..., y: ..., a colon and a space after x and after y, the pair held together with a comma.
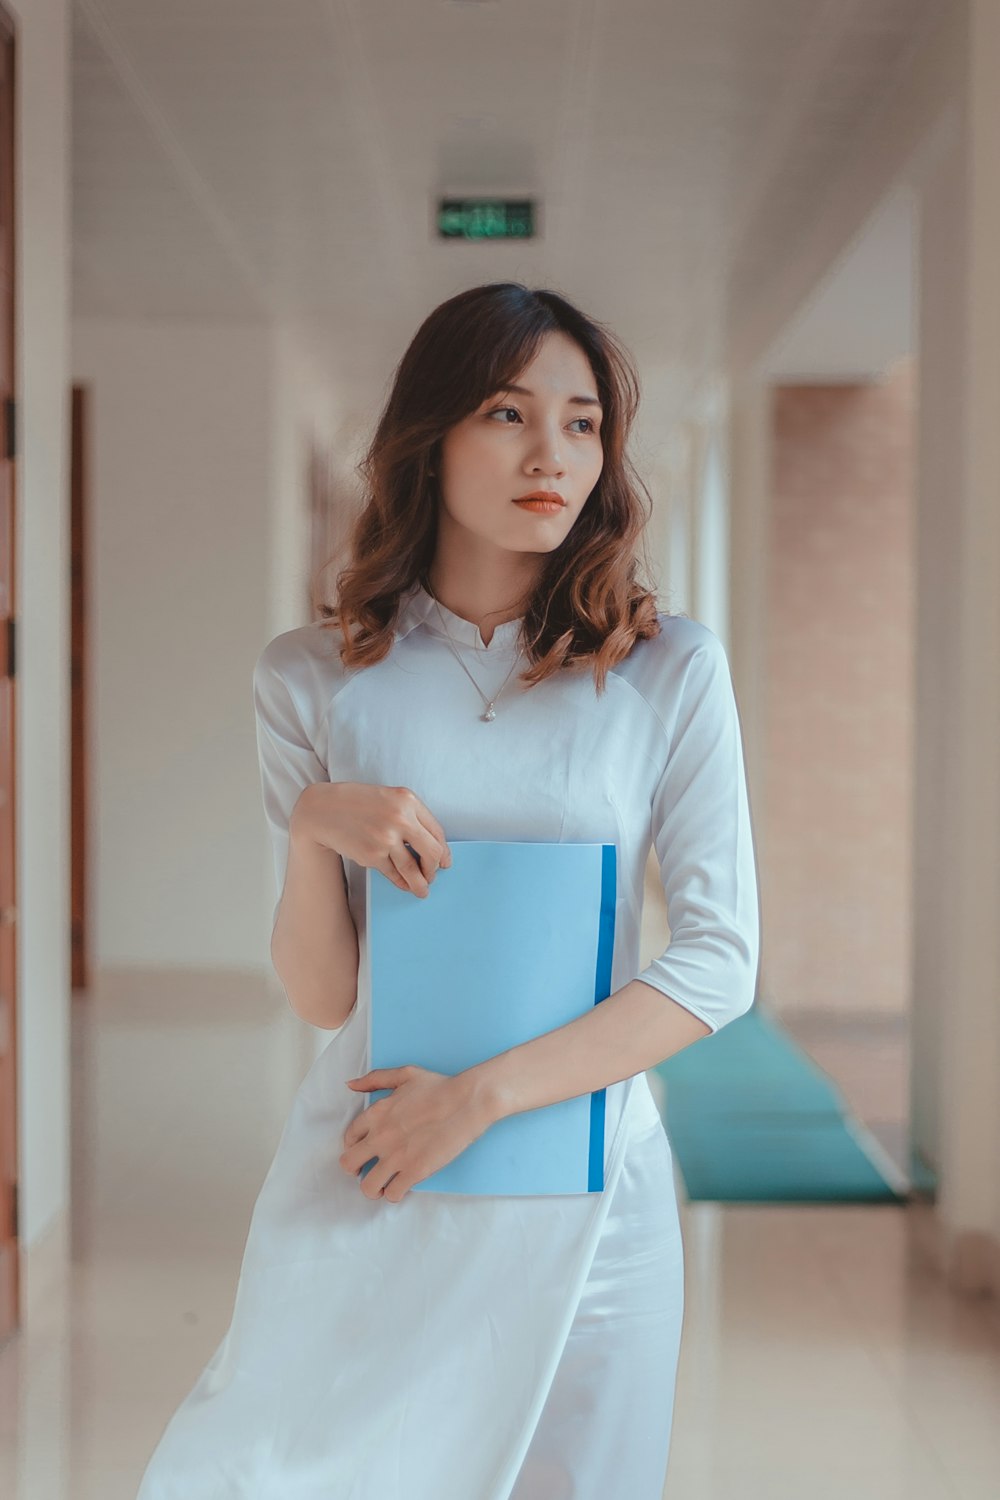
x: 820, y: 1358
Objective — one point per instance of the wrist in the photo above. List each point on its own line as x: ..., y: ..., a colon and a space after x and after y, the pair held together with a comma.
x: 303, y: 822
x: 486, y: 1092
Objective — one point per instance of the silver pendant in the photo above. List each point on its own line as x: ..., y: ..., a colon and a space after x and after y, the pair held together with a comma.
x: 490, y: 713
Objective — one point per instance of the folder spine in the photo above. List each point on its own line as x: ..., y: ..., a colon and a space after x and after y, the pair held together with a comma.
x: 602, y: 989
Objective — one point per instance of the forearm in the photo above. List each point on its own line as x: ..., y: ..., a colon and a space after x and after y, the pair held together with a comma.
x: 314, y: 945
x: 632, y: 1030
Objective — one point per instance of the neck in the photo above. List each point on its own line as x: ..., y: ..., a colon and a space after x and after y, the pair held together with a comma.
x: 489, y: 606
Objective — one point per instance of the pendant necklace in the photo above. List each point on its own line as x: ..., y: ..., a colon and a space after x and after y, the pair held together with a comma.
x: 491, y: 712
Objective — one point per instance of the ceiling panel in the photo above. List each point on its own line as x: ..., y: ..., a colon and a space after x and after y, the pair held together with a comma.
x: 240, y: 159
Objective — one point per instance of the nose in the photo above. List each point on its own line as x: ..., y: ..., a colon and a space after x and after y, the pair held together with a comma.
x: 548, y: 451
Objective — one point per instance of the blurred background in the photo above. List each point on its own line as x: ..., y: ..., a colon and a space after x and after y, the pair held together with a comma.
x: 220, y: 225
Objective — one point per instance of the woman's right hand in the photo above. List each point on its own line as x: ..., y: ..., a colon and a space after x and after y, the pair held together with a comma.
x: 372, y: 826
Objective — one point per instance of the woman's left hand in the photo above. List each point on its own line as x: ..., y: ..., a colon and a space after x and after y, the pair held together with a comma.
x: 421, y: 1126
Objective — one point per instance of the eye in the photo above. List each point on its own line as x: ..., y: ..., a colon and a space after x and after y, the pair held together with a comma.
x: 589, y: 421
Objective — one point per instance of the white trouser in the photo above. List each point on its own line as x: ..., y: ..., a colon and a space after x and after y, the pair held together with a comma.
x: 605, y: 1428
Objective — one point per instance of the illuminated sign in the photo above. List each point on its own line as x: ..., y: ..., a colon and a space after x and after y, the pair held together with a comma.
x: 486, y: 218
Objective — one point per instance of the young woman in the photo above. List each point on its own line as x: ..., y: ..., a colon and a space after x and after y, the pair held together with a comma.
x: 491, y: 670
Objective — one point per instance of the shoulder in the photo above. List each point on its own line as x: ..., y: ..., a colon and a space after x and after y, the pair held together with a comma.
x: 659, y: 666
x: 683, y: 678
x: 303, y: 664
x: 684, y: 638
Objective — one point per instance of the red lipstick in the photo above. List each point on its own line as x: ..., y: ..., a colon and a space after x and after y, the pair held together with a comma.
x: 543, y: 502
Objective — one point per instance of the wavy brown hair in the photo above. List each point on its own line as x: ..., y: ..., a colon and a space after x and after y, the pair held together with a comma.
x: 587, y: 608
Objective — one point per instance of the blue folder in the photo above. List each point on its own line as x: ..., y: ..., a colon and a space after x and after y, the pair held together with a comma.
x: 513, y: 940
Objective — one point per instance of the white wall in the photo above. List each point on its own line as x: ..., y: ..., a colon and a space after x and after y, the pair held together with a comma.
x: 194, y: 437
x: 306, y: 401
x: 179, y: 607
x: 199, y: 438
x: 938, y: 132
x: 895, y: 137
x: 939, y: 479
x: 967, y: 860
x: 711, y: 526
x: 42, y: 269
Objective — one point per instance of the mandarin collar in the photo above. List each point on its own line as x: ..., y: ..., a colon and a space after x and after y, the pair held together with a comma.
x: 418, y: 607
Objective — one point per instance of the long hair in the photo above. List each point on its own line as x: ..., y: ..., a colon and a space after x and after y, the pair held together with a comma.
x: 587, y: 608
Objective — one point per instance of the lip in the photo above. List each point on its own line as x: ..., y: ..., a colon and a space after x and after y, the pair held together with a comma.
x: 544, y: 502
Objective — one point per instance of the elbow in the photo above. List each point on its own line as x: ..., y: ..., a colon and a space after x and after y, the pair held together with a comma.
x: 717, y: 984
x: 740, y: 1003
x: 331, y: 1019
x: 741, y: 976
x: 736, y: 988
x: 319, y: 1003
x: 330, y: 1015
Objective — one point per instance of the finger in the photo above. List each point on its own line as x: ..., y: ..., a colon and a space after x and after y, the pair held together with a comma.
x: 388, y: 869
x: 405, y: 862
x: 381, y: 1078
x: 425, y: 850
x: 355, y: 1157
x: 430, y: 843
x: 357, y: 1130
x: 427, y: 819
x: 377, y: 1178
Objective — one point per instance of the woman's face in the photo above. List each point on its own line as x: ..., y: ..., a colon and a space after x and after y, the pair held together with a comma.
x: 546, y: 436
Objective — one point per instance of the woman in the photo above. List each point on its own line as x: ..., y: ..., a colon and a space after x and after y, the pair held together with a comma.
x: 492, y: 670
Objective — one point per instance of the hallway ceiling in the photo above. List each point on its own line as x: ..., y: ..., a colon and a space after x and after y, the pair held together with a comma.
x: 237, y: 160
x: 861, y: 317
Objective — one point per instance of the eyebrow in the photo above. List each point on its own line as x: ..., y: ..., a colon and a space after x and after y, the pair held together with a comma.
x: 522, y: 390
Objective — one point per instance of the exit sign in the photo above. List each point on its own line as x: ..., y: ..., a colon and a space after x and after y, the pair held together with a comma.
x: 486, y: 218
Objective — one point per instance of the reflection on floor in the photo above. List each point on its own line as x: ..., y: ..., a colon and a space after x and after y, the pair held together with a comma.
x: 868, y: 1058
x: 820, y: 1358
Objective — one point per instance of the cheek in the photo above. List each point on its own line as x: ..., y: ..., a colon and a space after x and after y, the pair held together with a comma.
x: 470, y: 462
x: 464, y: 454
x: 594, y: 469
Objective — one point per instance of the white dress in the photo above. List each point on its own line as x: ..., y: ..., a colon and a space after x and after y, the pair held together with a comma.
x: 467, y: 1348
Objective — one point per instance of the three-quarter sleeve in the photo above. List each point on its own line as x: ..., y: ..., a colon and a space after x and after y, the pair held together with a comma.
x: 702, y: 835
x: 287, y: 757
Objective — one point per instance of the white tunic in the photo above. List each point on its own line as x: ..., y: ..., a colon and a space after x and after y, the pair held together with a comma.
x: 507, y: 1348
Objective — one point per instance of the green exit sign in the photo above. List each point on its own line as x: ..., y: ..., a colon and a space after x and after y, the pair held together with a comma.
x: 486, y: 218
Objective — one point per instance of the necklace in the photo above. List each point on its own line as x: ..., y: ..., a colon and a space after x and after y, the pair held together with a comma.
x: 491, y: 712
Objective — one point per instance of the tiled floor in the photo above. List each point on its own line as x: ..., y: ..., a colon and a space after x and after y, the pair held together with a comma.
x: 820, y: 1360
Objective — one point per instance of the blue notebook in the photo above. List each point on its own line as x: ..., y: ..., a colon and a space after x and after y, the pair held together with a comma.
x: 514, y: 939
